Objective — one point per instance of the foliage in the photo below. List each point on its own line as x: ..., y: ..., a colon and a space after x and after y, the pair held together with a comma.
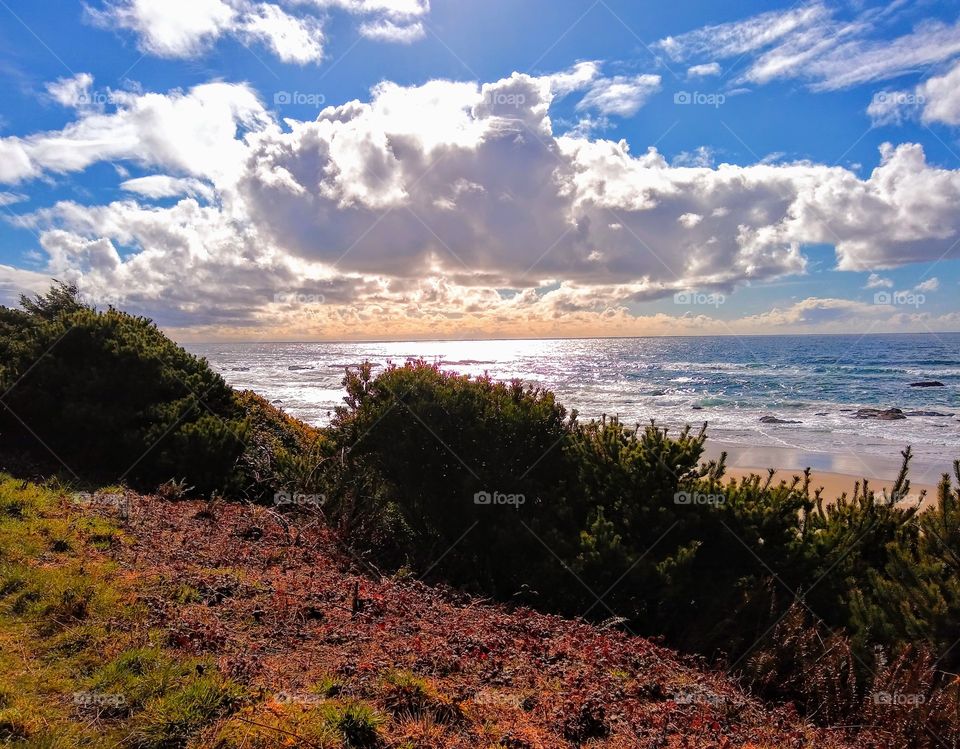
x: 106, y: 396
x: 421, y: 450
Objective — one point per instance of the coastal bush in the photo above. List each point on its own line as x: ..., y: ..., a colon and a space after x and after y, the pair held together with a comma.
x: 106, y: 396
x: 429, y: 459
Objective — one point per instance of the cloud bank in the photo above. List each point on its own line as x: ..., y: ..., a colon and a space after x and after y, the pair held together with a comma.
x: 449, y: 206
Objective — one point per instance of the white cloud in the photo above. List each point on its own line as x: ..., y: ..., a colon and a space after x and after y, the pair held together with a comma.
x: 172, y: 28
x: 577, y: 78
x: 295, y: 34
x: 931, y: 284
x: 746, y: 36
x: 620, y: 95
x: 702, y: 156
x: 935, y: 100
x: 417, y: 205
x: 811, y: 43
x: 193, y: 132
x: 9, y: 198
x: 398, y: 9
x: 163, y: 186
x: 704, y: 70
x: 941, y: 97
x: 73, y: 91
x: 386, y: 30
x: 17, y: 281
x: 295, y: 40
x: 892, y: 107
x: 875, y: 281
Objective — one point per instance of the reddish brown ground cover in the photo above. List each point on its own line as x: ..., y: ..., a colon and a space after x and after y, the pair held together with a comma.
x: 282, y: 607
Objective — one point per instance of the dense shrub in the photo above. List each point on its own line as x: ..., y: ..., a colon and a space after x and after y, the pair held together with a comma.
x: 106, y: 396
x: 420, y: 451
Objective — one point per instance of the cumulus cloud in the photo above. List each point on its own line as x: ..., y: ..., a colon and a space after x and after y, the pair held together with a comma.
x: 576, y: 78
x: 174, y: 28
x: 193, y: 132
x: 448, y: 201
x: 941, y: 97
x: 73, y: 91
x: 294, y: 40
x: 931, y: 284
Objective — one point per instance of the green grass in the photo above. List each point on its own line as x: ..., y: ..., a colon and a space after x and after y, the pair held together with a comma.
x: 75, y: 670
x: 408, y: 695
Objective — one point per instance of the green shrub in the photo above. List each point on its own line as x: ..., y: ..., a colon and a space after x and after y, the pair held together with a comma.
x: 419, y: 447
x: 357, y: 723
x: 106, y: 396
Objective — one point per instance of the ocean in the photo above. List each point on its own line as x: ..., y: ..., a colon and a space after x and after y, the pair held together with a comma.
x: 728, y: 382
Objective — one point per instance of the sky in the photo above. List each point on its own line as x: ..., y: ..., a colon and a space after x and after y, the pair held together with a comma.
x: 396, y: 169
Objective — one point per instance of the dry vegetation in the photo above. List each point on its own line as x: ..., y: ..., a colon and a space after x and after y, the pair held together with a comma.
x: 227, y: 625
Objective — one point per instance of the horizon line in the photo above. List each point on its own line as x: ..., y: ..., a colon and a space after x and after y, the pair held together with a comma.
x: 569, y: 338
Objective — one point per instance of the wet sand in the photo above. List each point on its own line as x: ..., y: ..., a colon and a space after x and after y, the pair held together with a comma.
x: 835, y: 472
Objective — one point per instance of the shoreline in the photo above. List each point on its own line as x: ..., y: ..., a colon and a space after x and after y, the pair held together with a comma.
x: 837, y: 473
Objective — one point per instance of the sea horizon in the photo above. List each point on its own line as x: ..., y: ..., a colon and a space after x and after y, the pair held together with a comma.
x: 203, y: 342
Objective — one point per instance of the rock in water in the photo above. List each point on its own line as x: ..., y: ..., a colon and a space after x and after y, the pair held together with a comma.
x: 775, y: 420
x: 889, y: 414
x: 925, y: 413
x: 927, y: 384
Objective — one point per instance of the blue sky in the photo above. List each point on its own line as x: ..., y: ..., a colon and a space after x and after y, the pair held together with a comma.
x: 396, y: 168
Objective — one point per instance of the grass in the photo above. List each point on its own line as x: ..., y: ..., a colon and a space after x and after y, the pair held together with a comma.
x: 335, y: 724
x: 74, y: 671
x: 408, y: 695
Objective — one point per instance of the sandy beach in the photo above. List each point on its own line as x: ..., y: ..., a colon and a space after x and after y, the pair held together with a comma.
x: 835, y: 472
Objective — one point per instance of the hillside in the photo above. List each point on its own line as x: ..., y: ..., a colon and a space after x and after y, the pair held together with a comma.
x: 141, y: 621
